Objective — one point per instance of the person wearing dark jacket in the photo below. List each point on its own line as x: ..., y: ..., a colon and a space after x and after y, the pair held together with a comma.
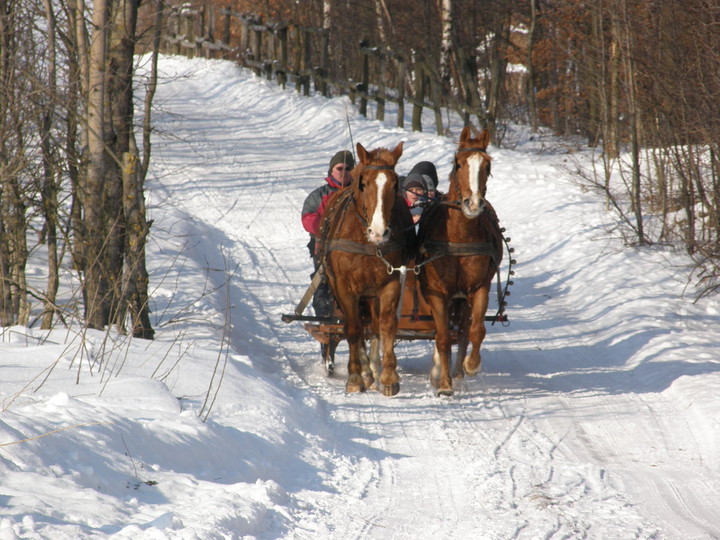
x: 338, y: 176
x: 427, y: 170
x: 415, y: 190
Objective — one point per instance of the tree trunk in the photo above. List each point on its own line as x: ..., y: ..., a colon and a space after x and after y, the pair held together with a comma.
x: 446, y: 40
x: 120, y: 113
x: 634, y: 118
x: 135, y: 277
x: 95, y: 285
x: 532, y: 105
x: 49, y: 191
x: 498, y: 66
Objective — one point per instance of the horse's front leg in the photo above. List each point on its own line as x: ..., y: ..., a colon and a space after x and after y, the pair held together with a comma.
x: 368, y: 372
x: 389, y: 298
x: 353, y: 334
x: 373, y: 361
x: 479, y: 305
x: 440, y: 371
x: 462, y: 340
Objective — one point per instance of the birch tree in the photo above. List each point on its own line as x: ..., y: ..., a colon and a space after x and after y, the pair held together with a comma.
x: 446, y: 40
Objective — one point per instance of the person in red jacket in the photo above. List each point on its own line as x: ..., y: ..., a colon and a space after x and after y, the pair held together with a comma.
x: 338, y: 176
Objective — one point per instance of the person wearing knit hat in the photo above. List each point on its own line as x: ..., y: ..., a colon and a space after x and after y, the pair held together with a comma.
x: 338, y: 176
x: 416, y: 190
x: 344, y: 157
x: 428, y: 171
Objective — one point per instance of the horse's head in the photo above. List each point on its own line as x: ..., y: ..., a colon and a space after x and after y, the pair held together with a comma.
x: 376, y: 185
x: 471, y: 171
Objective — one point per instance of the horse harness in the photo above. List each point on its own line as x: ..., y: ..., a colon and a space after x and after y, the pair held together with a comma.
x: 359, y: 248
x: 481, y: 150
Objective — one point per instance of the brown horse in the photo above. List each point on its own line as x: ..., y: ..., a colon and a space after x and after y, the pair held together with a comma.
x: 461, y: 249
x: 366, y: 237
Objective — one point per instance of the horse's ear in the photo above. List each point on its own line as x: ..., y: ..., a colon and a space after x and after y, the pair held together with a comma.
x: 362, y: 153
x: 484, y: 138
x: 398, y: 151
x: 466, y: 134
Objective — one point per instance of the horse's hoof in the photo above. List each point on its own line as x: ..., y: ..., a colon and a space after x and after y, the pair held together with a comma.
x: 329, y: 367
x: 391, y: 389
x: 471, y: 371
x: 445, y: 392
x: 354, y: 384
x: 354, y: 388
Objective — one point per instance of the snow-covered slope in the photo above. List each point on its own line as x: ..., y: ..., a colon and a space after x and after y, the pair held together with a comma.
x: 595, y: 416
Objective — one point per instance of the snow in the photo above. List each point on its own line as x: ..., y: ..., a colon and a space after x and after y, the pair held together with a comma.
x: 595, y: 415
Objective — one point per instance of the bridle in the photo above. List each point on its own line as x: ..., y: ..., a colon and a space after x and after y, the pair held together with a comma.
x: 361, y: 186
x: 480, y: 150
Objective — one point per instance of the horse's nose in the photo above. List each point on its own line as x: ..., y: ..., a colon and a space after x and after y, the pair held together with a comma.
x: 472, y: 207
x: 376, y: 237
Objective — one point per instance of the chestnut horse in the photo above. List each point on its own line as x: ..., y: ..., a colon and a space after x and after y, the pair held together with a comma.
x: 366, y: 236
x: 461, y: 249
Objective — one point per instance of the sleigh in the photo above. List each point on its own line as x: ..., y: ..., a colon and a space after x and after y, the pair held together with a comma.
x: 415, y: 321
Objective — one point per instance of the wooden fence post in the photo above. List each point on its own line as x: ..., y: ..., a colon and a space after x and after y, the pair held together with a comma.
x: 324, y: 61
x: 419, y: 97
x: 281, y: 70
x: 469, y: 83
x: 190, y: 33
x: 245, y: 35
x: 257, y: 48
x: 402, y: 68
x: 202, y: 25
x: 306, y: 63
x: 435, y: 97
x: 226, y: 26
x: 365, y: 84
x: 298, y: 58
x: 380, y: 100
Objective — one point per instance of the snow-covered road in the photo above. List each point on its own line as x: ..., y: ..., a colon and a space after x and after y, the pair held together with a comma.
x: 574, y: 428
x: 595, y: 415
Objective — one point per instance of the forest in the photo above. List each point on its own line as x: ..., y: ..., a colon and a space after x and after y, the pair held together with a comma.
x: 635, y: 80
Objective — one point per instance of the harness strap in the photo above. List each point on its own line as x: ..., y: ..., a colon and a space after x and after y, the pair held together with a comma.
x: 482, y: 149
x: 458, y: 249
x: 350, y: 246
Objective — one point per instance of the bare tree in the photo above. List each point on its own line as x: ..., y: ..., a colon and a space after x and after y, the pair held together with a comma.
x: 50, y: 173
x: 446, y: 40
x: 95, y: 285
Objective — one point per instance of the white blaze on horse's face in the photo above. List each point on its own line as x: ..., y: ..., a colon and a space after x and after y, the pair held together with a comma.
x: 475, y: 203
x: 378, y: 230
